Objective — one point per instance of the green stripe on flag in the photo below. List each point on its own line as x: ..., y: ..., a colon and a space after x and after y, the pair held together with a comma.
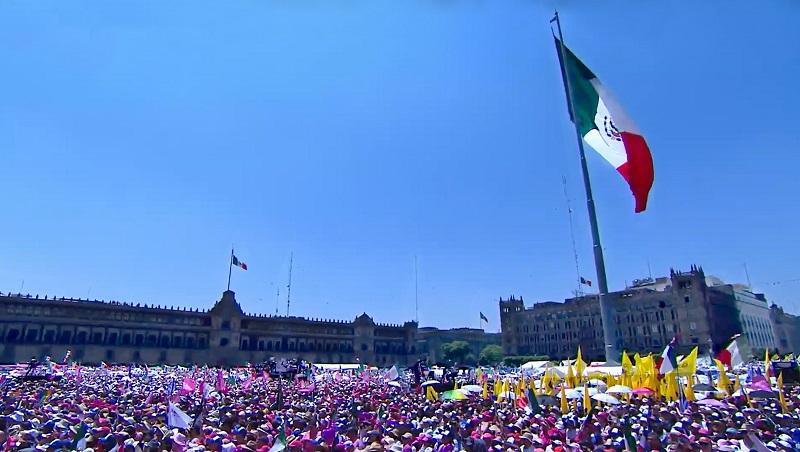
x: 584, y: 97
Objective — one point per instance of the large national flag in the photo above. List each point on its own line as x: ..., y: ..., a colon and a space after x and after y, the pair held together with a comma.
x: 732, y: 355
x: 606, y: 127
x: 238, y: 263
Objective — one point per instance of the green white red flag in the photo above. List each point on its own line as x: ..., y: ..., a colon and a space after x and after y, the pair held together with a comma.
x: 605, y: 126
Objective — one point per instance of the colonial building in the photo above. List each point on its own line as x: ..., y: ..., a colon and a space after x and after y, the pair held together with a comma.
x: 647, y: 316
x: 787, y: 330
x: 430, y: 341
x: 117, y: 332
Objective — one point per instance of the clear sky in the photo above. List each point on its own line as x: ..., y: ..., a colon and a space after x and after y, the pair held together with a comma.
x: 140, y: 139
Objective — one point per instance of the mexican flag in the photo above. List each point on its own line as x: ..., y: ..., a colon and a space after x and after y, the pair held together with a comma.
x: 605, y: 127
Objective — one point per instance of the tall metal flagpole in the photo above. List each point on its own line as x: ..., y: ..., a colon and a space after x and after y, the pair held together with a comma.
x: 230, y: 268
x: 606, y: 314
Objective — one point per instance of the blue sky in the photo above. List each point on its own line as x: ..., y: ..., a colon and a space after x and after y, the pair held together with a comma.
x: 140, y: 139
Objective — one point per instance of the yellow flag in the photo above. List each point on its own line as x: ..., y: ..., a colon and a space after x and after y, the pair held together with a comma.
x: 564, y: 406
x: 485, y: 389
x: 627, y: 365
x: 688, y: 365
x: 688, y: 392
x: 723, y: 382
x: 580, y: 365
x: 587, y: 401
x: 570, y: 381
x: 431, y: 394
x: 767, y: 367
x: 781, y: 398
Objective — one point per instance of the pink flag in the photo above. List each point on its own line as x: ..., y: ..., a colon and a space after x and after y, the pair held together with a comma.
x: 149, y: 398
x: 189, y: 386
x: 221, y: 385
x: 247, y: 383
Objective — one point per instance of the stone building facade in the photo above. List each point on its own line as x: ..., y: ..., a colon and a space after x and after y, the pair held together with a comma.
x: 648, y: 315
x: 116, y: 332
x: 430, y: 340
x: 787, y: 330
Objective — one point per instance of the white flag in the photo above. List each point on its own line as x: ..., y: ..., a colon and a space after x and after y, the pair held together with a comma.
x: 177, y: 418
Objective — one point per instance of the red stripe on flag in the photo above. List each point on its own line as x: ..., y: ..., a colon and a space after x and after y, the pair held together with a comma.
x: 243, y: 265
x: 638, y: 170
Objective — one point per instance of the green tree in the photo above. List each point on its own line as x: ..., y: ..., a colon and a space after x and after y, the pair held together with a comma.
x: 455, y: 351
x: 491, y: 355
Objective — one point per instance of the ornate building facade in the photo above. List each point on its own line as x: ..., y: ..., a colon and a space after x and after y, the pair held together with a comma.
x: 116, y: 332
x: 696, y: 310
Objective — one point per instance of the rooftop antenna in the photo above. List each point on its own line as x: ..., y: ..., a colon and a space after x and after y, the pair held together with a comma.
x: 649, y: 272
x: 277, y: 300
x: 289, y: 287
x: 416, y: 292
x: 578, y: 292
x: 747, y: 274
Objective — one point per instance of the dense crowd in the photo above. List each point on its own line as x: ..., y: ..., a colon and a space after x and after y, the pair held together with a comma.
x: 123, y: 409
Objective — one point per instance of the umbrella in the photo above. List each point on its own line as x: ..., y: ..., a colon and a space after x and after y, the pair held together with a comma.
x: 472, y: 388
x: 547, y: 400
x: 466, y: 392
x: 596, y: 382
x: 714, y: 403
x: 453, y: 395
x: 430, y: 382
x: 606, y: 398
x: 761, y: 394
x: 643, y: 391
x: 702, y: 387
x: 572, y: 394
x: 619, y: 389
x: 592, y: 391
x: 395, y: 383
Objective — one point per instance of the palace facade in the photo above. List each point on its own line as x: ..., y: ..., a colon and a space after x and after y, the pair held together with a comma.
x: 115, y: 332
x: 696, y: 309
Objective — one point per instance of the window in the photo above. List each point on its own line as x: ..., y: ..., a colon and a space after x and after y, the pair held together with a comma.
x: 692, y: 326
x: 223, y: 342
x: 654, y: 328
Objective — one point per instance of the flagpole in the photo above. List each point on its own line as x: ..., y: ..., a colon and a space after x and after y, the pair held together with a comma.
x: 606, y: 315
x: 230, y: 269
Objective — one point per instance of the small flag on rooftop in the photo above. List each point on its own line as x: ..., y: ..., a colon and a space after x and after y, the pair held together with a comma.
x: 238, y: 263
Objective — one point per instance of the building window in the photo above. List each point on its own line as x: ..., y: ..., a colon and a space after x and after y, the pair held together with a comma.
x: 223, y: 342
x: 692, y: 326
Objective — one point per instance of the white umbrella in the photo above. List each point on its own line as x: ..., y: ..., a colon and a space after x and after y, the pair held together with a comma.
x: 472, y: 388
x: 572, y: 394
x: 592, y: 391
x: 430, y: 382
x: 395, y: 383
x: 606, y: 398
x: 596, y: 382
x: 619, y: 389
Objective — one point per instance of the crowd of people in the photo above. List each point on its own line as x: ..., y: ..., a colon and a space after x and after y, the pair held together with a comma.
x: 150, y: 409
